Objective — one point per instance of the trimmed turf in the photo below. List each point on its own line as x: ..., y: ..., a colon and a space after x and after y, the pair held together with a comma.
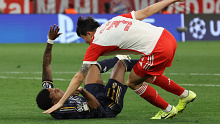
x: 195, y: 67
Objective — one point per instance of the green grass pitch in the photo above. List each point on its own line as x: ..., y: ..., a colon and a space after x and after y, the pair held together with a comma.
x: 196, y: 66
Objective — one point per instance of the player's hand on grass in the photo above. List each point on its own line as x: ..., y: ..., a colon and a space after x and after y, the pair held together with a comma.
x: 53, y: 108
x: 53, y: 33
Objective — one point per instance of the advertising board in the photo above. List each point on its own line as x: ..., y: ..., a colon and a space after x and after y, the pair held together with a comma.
x: 33, y: 28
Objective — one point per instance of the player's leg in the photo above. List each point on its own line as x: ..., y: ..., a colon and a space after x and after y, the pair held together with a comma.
x: 147, y: 92
x: 107, y: 64
x: 186, y: 96
x: 94, y: 83
x: 118, y: 72
x: 164, y: 82
x: 168, y: 85
x: 115, y: 89
x: 102, y: 66
x: 135, y: 82
x: 150, y: 66
x: 93, y: 76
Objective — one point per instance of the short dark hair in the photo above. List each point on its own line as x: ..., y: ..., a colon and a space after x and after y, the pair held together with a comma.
x: 86, y: 24
x: 43, y: 99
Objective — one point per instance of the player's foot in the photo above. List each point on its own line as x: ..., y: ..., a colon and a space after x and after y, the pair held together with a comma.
x: 184, y: 101
x: 165, y: 115
x: 121, y: 57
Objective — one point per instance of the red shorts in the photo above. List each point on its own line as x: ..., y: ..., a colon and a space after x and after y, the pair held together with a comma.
x: 160, y: 58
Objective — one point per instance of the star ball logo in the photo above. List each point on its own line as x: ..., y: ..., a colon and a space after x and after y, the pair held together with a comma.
x: 197, y: 28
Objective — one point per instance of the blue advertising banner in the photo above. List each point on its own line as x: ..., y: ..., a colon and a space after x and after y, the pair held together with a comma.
x: 33, y: 28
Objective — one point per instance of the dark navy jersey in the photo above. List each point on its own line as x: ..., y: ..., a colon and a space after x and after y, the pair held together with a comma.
x: 75, y: 107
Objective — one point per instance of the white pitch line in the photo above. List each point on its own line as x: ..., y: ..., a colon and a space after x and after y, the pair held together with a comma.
x: 36, y: 72
x: 193, y: 74
x: 202, y: 85
x: 60, y: 79
x: 32, y: 78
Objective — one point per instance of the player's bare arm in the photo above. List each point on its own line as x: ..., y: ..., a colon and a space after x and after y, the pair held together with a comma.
x: 84, y: 69
x: 76, y: 81
x: 154, y: 8
x: 47, y: 72
x: 52, y: 35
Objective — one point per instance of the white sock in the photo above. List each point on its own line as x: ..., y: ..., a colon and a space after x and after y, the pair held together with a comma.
x: 168, y: 109
x: 184, y: 94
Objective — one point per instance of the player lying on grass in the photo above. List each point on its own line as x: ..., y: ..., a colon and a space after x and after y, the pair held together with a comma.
x: 98, y: 101
x: 127, y: 34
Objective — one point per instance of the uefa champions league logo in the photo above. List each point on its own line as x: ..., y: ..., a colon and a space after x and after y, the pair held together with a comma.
x: 197, y: 28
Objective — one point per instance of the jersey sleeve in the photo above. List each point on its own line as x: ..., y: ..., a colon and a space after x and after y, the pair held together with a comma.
x: 129, y: 15
x: 93, y: 53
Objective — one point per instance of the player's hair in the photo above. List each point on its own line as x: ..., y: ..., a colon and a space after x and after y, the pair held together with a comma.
x: 43, y: 99
x: 86, y: 24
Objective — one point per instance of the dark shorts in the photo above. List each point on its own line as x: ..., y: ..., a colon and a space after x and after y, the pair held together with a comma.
x: 110, y: 96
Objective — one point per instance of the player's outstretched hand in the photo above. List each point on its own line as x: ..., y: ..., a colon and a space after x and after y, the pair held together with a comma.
x: 53, y: 108
x: 53, y: 33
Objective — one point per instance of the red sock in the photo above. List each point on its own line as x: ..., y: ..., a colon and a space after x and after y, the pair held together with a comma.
x: 168, y: 85
x: 150, y: 94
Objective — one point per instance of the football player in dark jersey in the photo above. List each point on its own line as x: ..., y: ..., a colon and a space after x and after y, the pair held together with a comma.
x: 97, y: 100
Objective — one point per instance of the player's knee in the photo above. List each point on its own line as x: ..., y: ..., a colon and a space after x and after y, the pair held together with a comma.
x: 131, y: 84
x: 151, y: 79
x: 120, y: 65
x: 134, y: 81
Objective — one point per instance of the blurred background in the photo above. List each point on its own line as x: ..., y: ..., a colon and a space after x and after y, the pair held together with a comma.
x: 28, y: 21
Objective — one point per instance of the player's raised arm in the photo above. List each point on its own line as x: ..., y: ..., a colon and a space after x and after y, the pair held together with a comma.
x: 74, y: 84
x: 52, y: 35
x: 154, y: 8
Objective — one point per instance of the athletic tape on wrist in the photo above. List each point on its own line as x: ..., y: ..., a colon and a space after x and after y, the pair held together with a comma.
x: 47, y: 84
x: 50, y: 41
